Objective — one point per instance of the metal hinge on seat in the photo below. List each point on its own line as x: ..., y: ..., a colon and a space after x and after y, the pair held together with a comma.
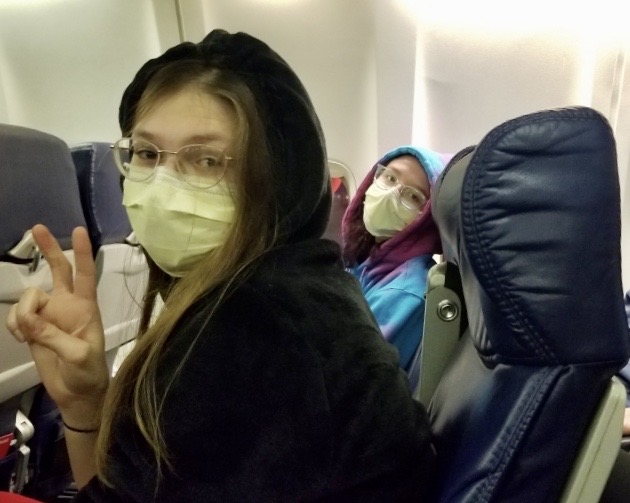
x: 24, y: 431
x: 27, y: 251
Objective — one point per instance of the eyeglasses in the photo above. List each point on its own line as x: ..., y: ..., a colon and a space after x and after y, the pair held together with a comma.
x: 410, y: 198
x: 201, y: 166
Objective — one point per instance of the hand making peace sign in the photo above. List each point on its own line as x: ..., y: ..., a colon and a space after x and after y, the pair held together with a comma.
x: 64, y: 331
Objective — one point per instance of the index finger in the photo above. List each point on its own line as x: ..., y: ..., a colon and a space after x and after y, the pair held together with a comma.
x: 85, y: 279
x: 60, y: 267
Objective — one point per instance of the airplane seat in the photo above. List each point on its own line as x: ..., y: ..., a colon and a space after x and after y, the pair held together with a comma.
x: 101, y: 194
x: 526, y: 408
x: 38, y: 186
x: 344, y: 188
x: 121, y: 266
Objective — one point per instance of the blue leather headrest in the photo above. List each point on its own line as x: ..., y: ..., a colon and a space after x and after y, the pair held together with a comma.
x: 532, y: 218
x: 38, y: 185
x: 101, y: 194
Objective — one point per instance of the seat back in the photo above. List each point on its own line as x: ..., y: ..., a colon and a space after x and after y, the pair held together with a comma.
x: 521, y: 216
x: 38, y: 186
x: 444, y: 325
x: 121, y: 265
x: 101, y: 194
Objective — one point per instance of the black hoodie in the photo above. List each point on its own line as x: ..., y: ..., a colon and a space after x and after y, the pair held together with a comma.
x: 290, y: 394
x: 295, y: 136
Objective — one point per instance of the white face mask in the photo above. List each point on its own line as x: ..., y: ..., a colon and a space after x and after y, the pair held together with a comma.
x: 175, y: 223
x: 383, y: 213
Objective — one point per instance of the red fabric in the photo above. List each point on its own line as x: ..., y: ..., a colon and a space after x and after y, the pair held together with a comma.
x: 15, y: 498
x: 335, y: 181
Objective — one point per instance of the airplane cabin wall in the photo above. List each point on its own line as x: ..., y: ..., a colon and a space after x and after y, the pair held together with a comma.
x: 64, y: 64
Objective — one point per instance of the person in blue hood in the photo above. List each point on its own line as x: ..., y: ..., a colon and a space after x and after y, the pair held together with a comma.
x: 264, y: 377
x: 389, y: 239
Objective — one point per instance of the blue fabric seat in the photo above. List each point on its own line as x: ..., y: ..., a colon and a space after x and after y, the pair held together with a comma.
x: 531, y: 219
x: 38, y: 186
x: 101, y: 194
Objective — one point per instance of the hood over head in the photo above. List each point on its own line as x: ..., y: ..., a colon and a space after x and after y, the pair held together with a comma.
x: 295, y: 138
x: 420, y: 237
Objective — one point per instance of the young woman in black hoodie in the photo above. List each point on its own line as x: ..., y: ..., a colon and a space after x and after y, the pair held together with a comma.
x: 265, y: 377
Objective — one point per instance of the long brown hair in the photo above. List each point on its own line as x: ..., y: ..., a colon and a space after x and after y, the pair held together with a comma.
x: 254, y: 232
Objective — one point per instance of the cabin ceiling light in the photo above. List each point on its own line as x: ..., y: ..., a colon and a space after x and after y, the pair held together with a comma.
x: 498, y: 16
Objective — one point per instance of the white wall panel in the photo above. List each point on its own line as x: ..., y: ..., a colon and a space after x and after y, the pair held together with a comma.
x: 66, y: 63
x: 478, y: 65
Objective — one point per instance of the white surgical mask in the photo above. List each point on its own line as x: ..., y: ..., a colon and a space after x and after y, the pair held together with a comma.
x: 175, y: 223
x: 383, y: 213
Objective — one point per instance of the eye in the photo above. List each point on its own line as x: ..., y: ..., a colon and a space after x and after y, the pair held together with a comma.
x: 201, y: 160
x: 388, y: 178
x: 145, y: 154
x: 142, y: 152
x: 208, y: 161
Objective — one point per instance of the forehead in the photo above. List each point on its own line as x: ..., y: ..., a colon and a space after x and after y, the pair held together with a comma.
x: 188, y: 116
x: 410, y: 172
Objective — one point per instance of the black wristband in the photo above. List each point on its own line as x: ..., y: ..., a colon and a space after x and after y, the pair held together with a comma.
x: 78, y: 430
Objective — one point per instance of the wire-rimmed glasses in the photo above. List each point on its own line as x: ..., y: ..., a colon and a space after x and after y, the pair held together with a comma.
x: 410, y: 197
x: 201, y: 166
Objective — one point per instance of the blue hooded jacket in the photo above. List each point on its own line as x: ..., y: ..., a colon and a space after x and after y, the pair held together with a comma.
x: 394, y: 276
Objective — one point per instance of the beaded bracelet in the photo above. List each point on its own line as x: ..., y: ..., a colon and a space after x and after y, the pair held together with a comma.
x: 78, y: 430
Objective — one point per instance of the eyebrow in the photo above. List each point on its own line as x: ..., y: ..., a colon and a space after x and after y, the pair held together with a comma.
x: 200, y: 138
